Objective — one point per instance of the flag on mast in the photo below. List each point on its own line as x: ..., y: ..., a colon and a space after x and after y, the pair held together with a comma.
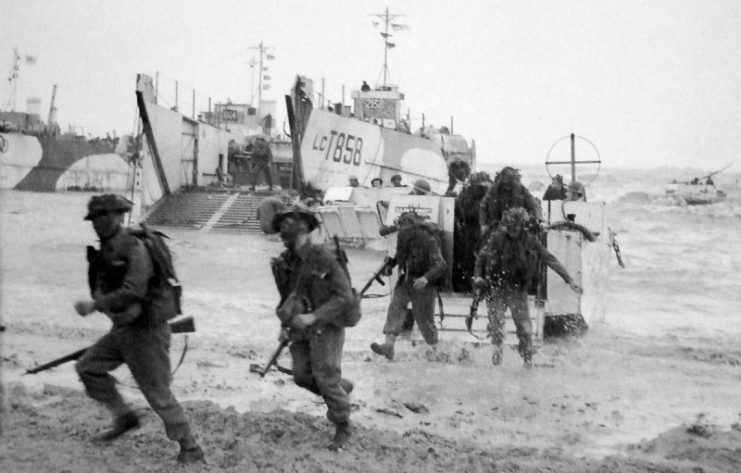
x: 30, y: 60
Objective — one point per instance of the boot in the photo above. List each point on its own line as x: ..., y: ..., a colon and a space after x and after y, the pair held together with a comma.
x: 383, y: 349
x: 121, y: 425
x: 190, y: 451
x: 191, y: 455
x: 347, y: 386
x: 496, y: 355
x: 341, y: 436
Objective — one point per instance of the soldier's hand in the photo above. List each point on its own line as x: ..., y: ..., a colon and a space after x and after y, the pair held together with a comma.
x: 478, y: 282
x: 420, y: 283
x: 576, y: 287
x: 85, y: 307
x: 283, y: 335
x: 303, y: 321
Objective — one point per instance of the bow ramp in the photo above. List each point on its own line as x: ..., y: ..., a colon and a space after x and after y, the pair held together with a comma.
x: 207, y: 211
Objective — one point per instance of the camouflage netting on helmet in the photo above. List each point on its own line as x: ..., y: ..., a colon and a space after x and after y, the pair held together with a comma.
x: 514, y: 216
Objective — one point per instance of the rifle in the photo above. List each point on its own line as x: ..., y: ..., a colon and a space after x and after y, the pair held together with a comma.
x: 284, y: 343
x: 179, y: 325
x: 381, y: 271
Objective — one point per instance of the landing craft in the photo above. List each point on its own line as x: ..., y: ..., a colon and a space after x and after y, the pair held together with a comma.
x: 370, y: 140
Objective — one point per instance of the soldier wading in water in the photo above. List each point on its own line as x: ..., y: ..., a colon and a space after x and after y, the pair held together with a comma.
x: 421, y: 265
x: 317, y: 303
x: 125, y: 288
x: 505, y: 265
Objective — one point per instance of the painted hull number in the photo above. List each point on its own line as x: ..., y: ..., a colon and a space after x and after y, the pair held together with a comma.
x: 339, y: 147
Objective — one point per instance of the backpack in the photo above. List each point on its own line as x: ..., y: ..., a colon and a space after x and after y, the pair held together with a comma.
x: 164, y: 270
x: 352, y: 317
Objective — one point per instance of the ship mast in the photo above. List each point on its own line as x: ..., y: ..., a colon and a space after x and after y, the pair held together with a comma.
x: 52, y: 107
x: 387, y: 18
x: 13, y: 79
x: 263, y: 56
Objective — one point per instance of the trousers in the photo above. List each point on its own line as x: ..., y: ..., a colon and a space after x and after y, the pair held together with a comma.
x: 423, y: 310
x: 317, y: 366
x: 145, y: 351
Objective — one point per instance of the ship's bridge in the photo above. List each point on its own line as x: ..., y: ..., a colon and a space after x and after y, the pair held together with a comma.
x: 381, y: 106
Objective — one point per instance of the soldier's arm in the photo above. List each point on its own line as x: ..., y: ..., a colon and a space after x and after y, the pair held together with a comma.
x: 341, y: 294
x: 437, y: 262
x: 135, y: 283
x: 533, y: 206
x: 553, y: 263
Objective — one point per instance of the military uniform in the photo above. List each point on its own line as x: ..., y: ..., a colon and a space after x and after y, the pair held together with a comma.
x: 262, y: 158
x: 467, y: 231
x: 418, y: 255
x: 140, y: 336
x: 321, y: 284
x: 124, y: 287
x: 507, y: 266
x: 497, y: 202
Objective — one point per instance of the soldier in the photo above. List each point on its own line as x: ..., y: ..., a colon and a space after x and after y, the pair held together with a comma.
x: 504, y: 267
x: 421, y: 265
x: 317, y: 302
x: 507, y: 192
x: 124, y: 287
x: 262, y: 159
x: 467, y: 229
x: 556, y: 191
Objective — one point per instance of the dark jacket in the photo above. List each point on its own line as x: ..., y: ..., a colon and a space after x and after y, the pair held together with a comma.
x: 261, y: 153
x: 321, y: 282
x: 503, y: 262
x: 124, y: 284
x: 418, y: 254
x: 497, y: 201
x: 555, y: 194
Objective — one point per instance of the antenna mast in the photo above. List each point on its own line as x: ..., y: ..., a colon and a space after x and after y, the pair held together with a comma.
x: 263, y: 52
x: 387, y: 18
x: 13, y: 79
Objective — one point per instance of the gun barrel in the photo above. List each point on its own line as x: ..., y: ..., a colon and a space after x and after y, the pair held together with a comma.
x: 57, y: 362
x: 274, y: 359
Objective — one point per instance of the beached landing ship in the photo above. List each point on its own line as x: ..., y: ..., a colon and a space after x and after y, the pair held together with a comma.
x: 369, y: 140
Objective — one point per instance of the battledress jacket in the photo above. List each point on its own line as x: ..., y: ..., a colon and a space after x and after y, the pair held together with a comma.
x: 321, y: 281
x: 502, y: 270
x: 418, y: 254
x: 495, y: 203
x: 121, y: 276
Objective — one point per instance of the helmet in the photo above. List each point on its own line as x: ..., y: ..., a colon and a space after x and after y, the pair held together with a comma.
x: 508, y: 174
x: 408, y: 216
x: 422, y: 186
x: 297, y: 212
x: 480, y: 178
x: 396, y: 177
x: 515, y: 216
x: 100, y: 204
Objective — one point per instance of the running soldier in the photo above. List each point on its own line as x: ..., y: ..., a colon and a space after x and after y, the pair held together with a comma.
x: 317, y: 303
x: 505, y: 265
x: 421, y: 266
x: 124, y: 287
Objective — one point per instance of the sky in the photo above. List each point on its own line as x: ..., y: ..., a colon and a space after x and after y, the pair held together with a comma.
x: 648, y: 83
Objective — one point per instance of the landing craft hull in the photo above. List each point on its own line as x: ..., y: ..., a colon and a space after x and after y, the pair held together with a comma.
x: 51, y: 163
x: 696, y: 194
x: 334, y: 147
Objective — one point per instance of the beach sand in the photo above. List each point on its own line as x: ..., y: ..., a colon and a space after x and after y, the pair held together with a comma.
x: 642, y: 392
